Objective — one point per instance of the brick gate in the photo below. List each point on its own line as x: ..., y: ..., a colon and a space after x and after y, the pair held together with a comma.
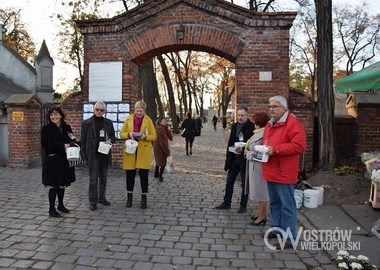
x: 258, y: 44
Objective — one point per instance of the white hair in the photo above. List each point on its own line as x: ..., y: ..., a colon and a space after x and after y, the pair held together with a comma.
x: 100, y: 103
x: 281, y: 100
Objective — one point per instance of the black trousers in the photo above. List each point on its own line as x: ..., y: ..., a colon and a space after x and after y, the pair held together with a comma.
x: 130, y: 179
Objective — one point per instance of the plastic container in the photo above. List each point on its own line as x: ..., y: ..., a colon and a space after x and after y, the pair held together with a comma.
x: 310, y: 198
x: 73, y: 152
x: 298, y: 197
x: 104, y: 148
x: 320, y: 195
x: 261, y: 153
x: 131, y: 146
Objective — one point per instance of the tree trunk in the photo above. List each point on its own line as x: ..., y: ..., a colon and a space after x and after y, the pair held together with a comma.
x: 149, y: 83
x: 326, y: 103
x: 169, y: 87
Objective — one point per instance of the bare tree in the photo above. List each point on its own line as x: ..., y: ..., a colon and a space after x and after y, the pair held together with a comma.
x: 359, y: 33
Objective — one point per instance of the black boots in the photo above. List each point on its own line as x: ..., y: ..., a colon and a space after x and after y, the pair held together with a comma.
x: 143, y: 201
x: 61, y: 207
x: 52, y: 195
x: 156, y: 171
x: 129, y: 200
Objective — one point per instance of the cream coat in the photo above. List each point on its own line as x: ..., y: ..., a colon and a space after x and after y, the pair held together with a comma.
x: 142, y: 159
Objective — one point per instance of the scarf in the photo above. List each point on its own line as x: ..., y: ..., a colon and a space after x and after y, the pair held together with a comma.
x: 137, y: 122
x: 168, y: 132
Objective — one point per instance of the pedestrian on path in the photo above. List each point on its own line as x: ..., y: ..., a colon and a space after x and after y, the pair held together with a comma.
x: 256, y: 186
x: 286, y: 140
x: 94, y: 130
x: 235, y: 163
x: 57, y: 174
x: 161, y: 147
x: 188, y: 126
x: 138, y: 126
x: 214, y: 121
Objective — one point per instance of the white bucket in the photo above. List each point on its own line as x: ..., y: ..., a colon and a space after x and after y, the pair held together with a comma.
x: 320, y: 195
x: 73, y: 152
x: 104, y: 148
x: 261, y: 153
x: 310, y: 198
x: 298, y: 197
x: 131, y: 146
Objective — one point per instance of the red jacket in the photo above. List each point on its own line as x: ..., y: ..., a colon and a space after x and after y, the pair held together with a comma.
x: 288, y: 140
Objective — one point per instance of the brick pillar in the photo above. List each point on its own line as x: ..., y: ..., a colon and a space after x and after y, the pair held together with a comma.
x: 24, y: 129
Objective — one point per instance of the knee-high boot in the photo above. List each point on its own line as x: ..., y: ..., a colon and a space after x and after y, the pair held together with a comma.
x: 144, y: 203
x: 162, y: 169
x: 129, y: 199
x: 61, y: 207
x: 52, y: 195
x: 156, y: 171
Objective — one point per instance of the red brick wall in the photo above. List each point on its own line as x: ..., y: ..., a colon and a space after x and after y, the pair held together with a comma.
x: 24, y: 136
x: 368, y: 127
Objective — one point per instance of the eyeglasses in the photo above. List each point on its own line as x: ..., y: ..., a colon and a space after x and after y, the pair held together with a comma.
x: 273, y: 106
x: 99, y: 110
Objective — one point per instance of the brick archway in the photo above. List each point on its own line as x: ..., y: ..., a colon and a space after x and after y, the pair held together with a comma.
x: 256, y: 42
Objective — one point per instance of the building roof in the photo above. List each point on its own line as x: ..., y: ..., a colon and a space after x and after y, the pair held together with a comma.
x: 44, y: 52
x: 8, y: 88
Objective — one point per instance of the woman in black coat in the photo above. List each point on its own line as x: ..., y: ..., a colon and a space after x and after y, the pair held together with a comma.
x: 56, y: 136
x: 189, y: 125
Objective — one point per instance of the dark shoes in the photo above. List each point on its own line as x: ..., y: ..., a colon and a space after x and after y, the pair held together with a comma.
x: 54, y: 213
x: 161, y: 179
x: 242, y: 209
x: 261, y: 222
x: 93, y: 207
x: 223, y: 206
x: 63, y: 209
x: 129, y: 200
x: 144, y: 203
x: 271, y: 235
x: 104, y: 202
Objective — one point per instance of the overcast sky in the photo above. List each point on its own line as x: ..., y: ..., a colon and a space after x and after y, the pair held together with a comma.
x: 40, y: 19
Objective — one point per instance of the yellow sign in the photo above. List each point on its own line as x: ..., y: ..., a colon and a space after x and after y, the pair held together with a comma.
x: 18, y: 116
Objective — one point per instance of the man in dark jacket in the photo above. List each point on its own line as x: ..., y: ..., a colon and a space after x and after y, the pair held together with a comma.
x: 94, y: 130
x: 235, y: 162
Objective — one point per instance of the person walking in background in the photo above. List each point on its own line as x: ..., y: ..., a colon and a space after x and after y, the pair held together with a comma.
x: 138, y: 126
x: 161, y: 147
x: 236, y: 162
x: 56, y: 136
x: 285, y: 138
x: 256, y: 186
x: 94, y: 130
x: 189, y: 129
x: 214, y: 121
x: 198, y: 126
x: 224, y: 122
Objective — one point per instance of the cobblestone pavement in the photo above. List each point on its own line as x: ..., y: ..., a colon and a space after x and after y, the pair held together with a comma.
x: 179, y: 230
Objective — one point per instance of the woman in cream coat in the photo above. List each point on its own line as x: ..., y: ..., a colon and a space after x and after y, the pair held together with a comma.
x: 138, y: 126
x: 256, y: 186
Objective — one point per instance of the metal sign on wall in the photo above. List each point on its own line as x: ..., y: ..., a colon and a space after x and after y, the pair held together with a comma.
x: 18, y: 116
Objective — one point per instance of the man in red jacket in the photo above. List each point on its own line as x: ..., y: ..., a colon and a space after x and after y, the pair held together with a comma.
x: 285, y: 137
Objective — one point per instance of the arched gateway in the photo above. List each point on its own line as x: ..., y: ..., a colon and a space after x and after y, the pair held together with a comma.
x: 258, y: 43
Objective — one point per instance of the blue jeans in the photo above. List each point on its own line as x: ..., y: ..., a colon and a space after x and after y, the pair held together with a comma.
x: 98, y: 170
x: 237, y: 166
x: 283, y: 207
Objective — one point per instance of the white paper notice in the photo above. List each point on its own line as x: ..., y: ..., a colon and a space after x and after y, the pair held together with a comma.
x: 105, y: 81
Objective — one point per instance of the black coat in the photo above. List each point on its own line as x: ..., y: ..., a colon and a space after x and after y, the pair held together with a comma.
x: 55, y: 167
x: 190, y: 126
x: 247, y: 130
x: 89, y: 140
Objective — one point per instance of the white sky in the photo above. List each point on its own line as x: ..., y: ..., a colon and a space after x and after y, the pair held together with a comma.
x: 40, y: 19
